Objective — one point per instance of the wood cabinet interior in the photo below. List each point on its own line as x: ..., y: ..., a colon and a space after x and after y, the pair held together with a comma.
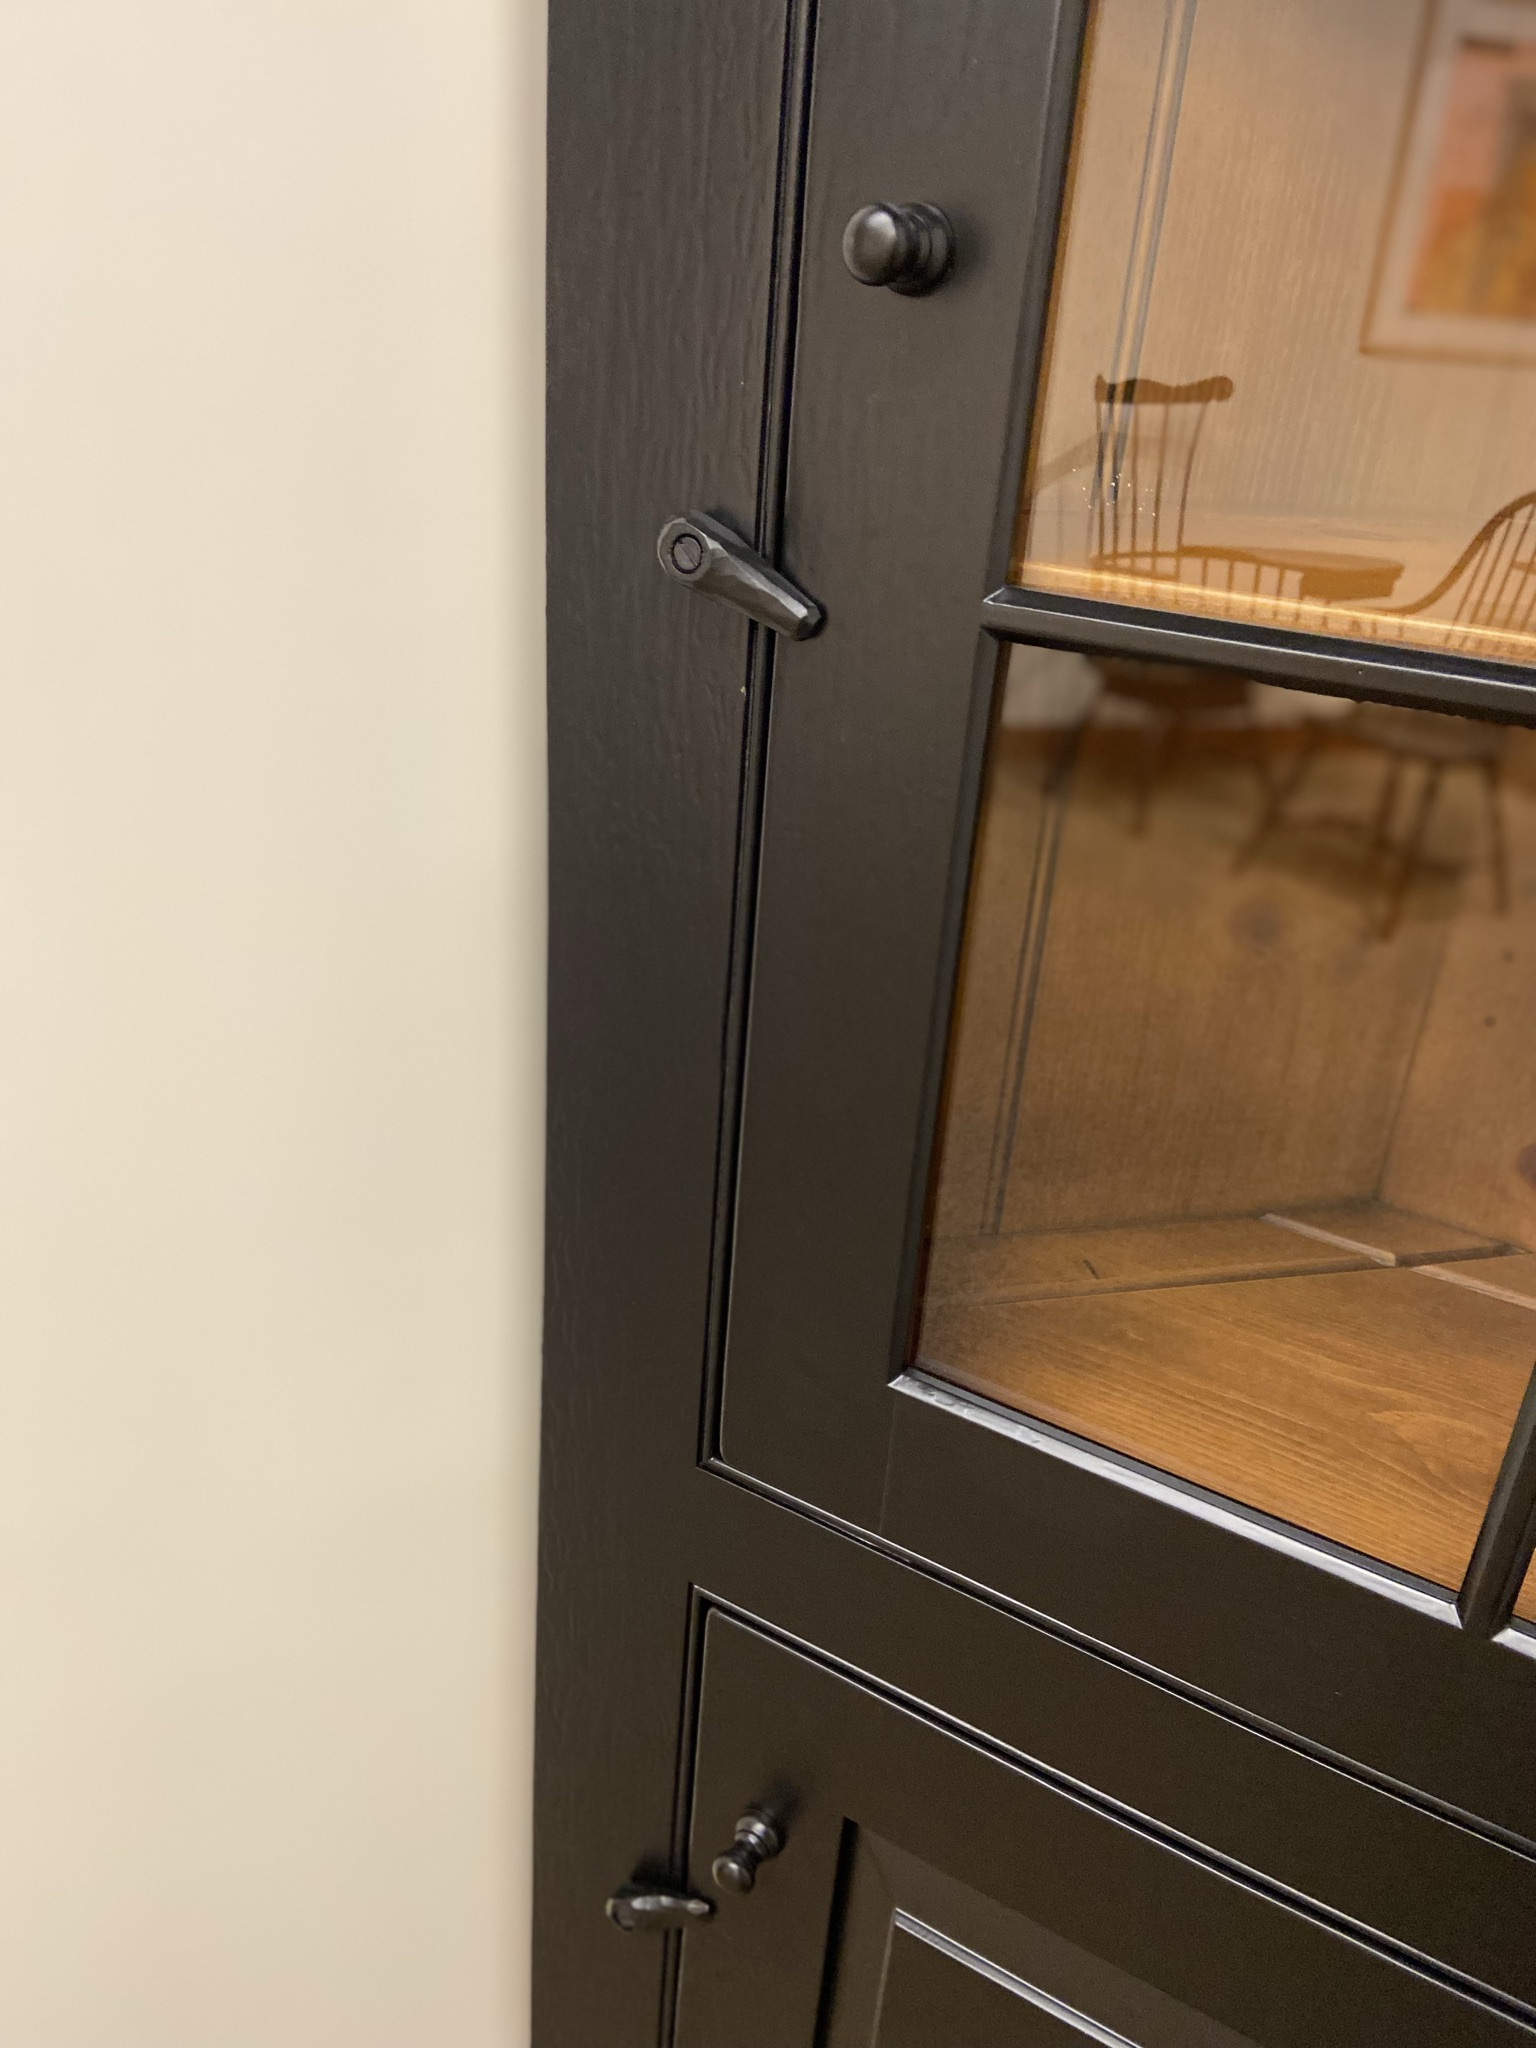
x: 1229, y: 1180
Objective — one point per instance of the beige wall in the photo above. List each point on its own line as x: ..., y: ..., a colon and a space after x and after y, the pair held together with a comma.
x: 270, y: 1002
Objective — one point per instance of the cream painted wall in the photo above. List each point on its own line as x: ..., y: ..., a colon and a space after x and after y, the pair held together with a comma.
x: 270, y: 1015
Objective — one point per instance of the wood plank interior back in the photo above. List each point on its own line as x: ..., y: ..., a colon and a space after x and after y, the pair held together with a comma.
x: 1229, y: 1181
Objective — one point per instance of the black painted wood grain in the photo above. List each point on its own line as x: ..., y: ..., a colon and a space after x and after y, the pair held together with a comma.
x: 664, y: 134
x: 1073, y: 1900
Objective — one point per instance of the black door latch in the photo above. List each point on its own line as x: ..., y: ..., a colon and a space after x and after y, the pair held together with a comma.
x: 652, y: 1908
x: 704, y: 554
x: 642, y: 1908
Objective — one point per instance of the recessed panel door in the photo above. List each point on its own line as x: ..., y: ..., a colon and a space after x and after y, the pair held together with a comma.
x: 929, y: 1895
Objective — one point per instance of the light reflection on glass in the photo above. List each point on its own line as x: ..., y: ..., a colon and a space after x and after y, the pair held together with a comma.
x: 1292, y: 371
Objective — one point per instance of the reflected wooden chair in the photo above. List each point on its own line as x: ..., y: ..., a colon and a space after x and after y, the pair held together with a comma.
x: 1147, y: 441
x: 1491, y: 585
x: 1148, y: 438
x: 1429, y: 740
x: 1173, y: 697
x: 1492, y: 589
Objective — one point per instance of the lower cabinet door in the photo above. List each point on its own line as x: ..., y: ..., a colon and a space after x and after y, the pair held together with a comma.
x: 932, y: 1894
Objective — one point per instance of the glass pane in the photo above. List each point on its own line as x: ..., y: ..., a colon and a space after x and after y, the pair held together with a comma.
x: 1238, y: 1161
x: 1292, y: 371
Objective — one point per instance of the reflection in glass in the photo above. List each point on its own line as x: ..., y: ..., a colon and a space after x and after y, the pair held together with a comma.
x: 1238, y: 1165
x: 1292, y: 367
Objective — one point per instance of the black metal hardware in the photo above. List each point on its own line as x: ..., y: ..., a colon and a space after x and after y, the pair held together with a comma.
x: 1501, y: 1555
x: 651, y: 1909
x: 757, y: 1839
x: 704, y: 554
x: 908, y: 248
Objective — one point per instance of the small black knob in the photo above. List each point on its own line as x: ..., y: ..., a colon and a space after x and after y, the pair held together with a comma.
x: 909, y: 248
x: 757, y: 1838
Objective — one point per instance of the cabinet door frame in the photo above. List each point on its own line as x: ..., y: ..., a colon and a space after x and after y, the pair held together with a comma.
x: 906, y: 437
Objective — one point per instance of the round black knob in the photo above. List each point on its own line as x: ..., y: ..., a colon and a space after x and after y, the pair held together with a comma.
x: 907, y: 248
x: 757, y: 1838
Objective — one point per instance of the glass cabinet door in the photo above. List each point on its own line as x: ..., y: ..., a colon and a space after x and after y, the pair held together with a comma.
x: 1238, y: 1167
x: 1132, y: 1210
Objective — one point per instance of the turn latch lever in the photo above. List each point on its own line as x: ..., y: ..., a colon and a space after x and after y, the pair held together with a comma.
x: 652, y: 1908
x: 704, y: 554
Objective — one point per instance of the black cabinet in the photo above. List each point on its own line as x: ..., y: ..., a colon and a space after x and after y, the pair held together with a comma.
x: 1042, y: 1203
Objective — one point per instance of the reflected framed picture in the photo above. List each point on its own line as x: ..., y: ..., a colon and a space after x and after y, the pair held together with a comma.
x: 1456, y: 269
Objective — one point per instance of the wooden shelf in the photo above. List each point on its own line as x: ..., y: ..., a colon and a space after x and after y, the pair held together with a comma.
x: 1335, y: 1238
x: 1039, y: 1266
x: 1368, y: 1403
x: 1384, y: 1235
